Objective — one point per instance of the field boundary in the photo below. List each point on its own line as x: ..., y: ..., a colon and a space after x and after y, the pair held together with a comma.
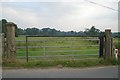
x: 73, y: 55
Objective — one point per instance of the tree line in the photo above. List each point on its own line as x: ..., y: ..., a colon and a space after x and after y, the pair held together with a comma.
x: 94, y: 32
x: 53, y: 32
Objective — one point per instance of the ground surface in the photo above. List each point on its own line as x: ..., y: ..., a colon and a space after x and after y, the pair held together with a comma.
x: 96, y: 72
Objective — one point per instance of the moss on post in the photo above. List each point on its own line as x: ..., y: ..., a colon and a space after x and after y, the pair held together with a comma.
x: 108, y: 44
x: 10, y: 38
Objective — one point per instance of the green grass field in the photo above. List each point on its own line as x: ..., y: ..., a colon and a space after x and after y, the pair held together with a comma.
x: 54, y: 51
x: 58, y: 47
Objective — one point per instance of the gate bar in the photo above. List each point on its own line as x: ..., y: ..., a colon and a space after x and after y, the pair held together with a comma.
x: 26, y: 49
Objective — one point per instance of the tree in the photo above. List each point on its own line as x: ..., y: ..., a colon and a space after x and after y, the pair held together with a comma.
x: 4, y: 27
x: 31, y: 31
x: 92, y: 31
x: 4, y: 21
x: 35, y: 31
x: 20, y: 31
x: 46, y: 31
x: 86, y: 32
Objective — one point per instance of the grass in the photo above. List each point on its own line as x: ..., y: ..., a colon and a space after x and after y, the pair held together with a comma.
x: 67, y: 63
x: 55, y: 44
x: 49, y: 59
x: 49, y: 47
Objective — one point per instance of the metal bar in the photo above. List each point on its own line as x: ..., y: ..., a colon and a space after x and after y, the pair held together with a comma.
x: 20, y: 41
x: 58, y: 40
x: 55, y: 36
x: 49, y: 36
x: 68, y: 51
x: 72, y: 52
x: 26, y: 49
x: 58, y: 55
x: 57, y: 46
x: 44, y: 51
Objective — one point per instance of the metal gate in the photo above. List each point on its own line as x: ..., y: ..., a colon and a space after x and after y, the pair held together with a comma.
x: 38, y: 48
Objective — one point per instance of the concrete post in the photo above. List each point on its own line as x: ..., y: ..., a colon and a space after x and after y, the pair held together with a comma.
x: 0, y: 56
x: 10, y: 38
x: 3, y: 43
x: 108, y: 45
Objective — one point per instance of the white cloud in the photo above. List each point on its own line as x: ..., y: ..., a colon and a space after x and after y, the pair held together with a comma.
x: 0, y: 11
x: 64, y: 15
x: 24, y: 17
x: 57, y: 0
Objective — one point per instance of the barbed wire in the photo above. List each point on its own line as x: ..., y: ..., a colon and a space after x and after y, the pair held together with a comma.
x: 102, y: 5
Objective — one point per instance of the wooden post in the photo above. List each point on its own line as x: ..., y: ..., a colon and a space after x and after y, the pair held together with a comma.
x: 108, y: 44
x: 10, y: 38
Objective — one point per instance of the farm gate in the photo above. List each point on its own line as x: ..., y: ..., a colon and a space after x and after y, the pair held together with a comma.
x: 37, y: 48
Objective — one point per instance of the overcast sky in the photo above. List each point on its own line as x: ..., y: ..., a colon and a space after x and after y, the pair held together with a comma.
x: 62, y: 15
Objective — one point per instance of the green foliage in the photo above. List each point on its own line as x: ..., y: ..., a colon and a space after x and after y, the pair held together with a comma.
x: 92, y: 31
x: 3, y: 21
x: 4, y: 28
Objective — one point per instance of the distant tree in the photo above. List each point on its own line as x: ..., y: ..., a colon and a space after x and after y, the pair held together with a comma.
x: 4, y: 28
x: 81, y: 33
x: 116, y: 34
x: 4, y: 21
x: 35, y: 31
x: 86, y: 32
x: 71, y: 33
x: 47, y: 31
x: 20, y: 31
x: 51, y: 32
x: 92, y: 31
x: 31, y: 31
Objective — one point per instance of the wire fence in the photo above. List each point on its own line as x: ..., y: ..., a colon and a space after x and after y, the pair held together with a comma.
x: 36, y: 48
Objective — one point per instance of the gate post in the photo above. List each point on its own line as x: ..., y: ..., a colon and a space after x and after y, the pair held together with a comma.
x: 3, y: 43
x: 101, y: 44
x: 0, y: 49
x: 10, y: 38
x: 112, y: 48
x: 108, y: 45
x: 0, y: 56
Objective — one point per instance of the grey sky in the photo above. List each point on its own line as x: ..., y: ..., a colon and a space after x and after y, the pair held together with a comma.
x: 61, y: 15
